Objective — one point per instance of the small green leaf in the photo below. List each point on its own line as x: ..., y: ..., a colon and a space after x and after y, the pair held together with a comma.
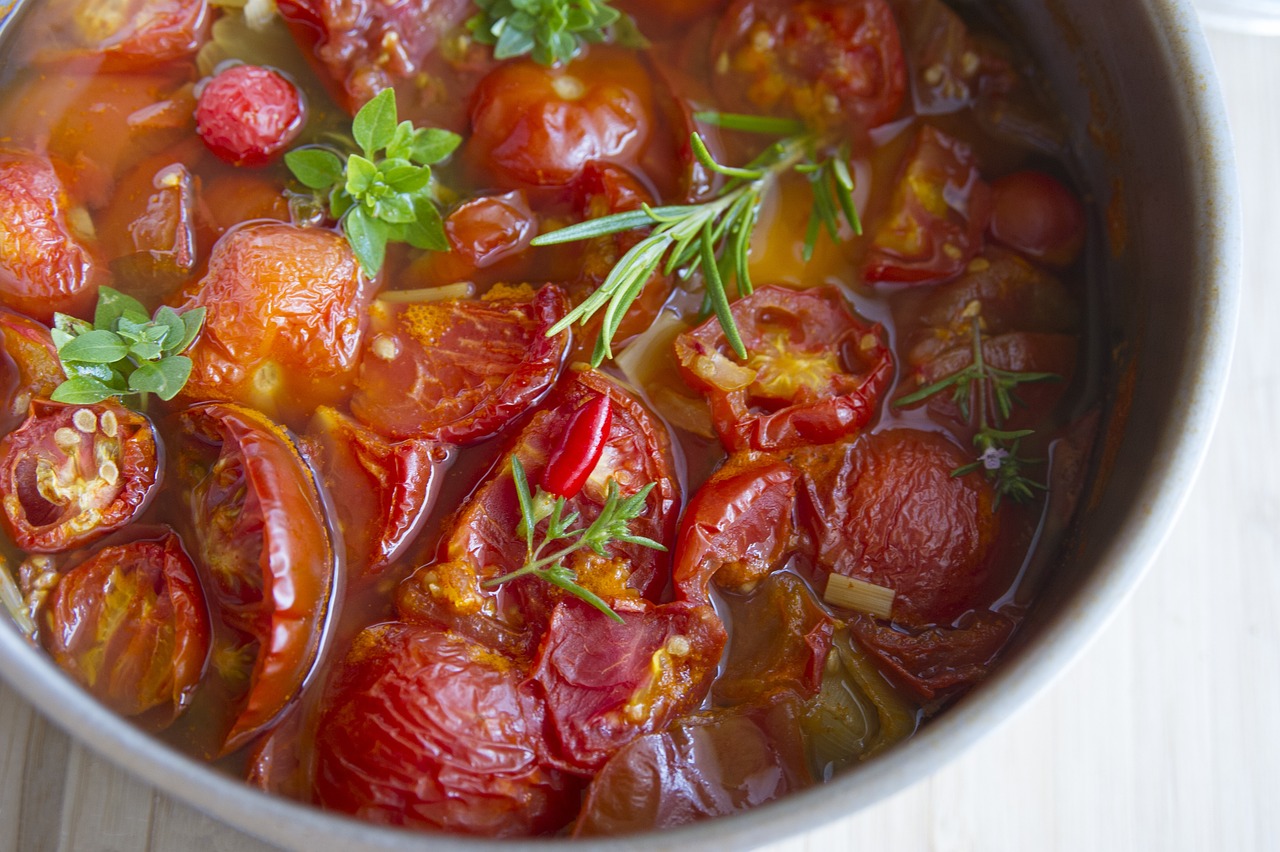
x: 316, y: 168
x: 426, y: 231
x: 82, y: 390
x: 70, y: 325
x: 340, y: 201
x: 397, y: 209
x: 401, y: 145
x: 164, y: 378
x: 368, y: 238
x: 101, y: 372
x: 432, y: 145
x: 112, y: 305
x: 60, y: 338
x: 175, y: 330
x: 374, y: 126
x: 95, y: 347
x: 192, y: 321
x: 145, y: 350
x: 361, y: 174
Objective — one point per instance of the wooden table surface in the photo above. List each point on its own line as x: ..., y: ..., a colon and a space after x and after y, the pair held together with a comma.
x: 1165, y: 736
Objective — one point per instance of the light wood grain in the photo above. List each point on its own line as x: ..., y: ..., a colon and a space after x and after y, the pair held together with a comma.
x: 1165, y: 736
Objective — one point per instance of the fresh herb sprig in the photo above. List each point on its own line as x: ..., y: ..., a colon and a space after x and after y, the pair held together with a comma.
x: 989, y: 393
x: 713, y: 236
x: 551, y: 31
x: 124, y: 352
x: 563, y: 539
x: 384, y: 193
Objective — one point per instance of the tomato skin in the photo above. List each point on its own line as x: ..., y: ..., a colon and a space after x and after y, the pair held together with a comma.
x: 534, y: 126
x: 263, y: 548
x: 68, y: 479
x: 814, y: 371
x: 130, y: 624
x: 124, y: 37
x: 936, y: 219
x: 885, y: 509
x: 425, y: 729
x: 831, y: 62
x: 950, y: 69
x: 457, y: 371
x: 44, y: 267
x: 1038, y: 216
x: 285, y: 323
x: 248, y: 115
x: 29, y: 367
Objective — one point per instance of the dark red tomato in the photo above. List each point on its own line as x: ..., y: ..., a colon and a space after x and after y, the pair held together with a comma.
x: 949, y: 68
x: 457, y: 371
x: 706, y: 765
x: 365, y: 47
x: 1038, y: 216
x: 248, y: 115
x: 44, y: 266
x: 607, y: 683
x: 130, y: 624
x: 539, y: 126
x: 73, y: 473
x: 886, y: 509
x: 939, y: 211
x: 935, y: 660
x: 424, y: 729
x: 29, y: 367
x: 122, y: 35
x: 234, y: 197
x: 814, y: 371
x: 380, y: 492
x: 264, y: 551
x: 781, y: 638
x: 831, y: 62
x: 488, y: 232
x: 482, y: 541
x: 737, y: 527
x: 285, y: 324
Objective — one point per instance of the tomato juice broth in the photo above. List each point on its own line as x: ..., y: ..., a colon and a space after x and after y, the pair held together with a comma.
x: 282, y: 695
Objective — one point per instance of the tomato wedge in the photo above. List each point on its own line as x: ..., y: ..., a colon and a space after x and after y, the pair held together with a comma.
x: 29, y: 367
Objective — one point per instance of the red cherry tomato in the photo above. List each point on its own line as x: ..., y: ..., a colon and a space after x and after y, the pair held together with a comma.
x: 831, y: 62
x: 484, y: 232
x: 122, y: 35
x: 285, y: 323
x: 130, y: 624
x: 457, y: 371
x: 886, y: 509
x: 814, y: 371
x: 424, y: 729
x: 29, y: 367
x: 73, y: 473
x: 539, y: 126
x: 265, y: 555
x: 1035, y: 214
x: 249, y: 115
x: 607, y: 683
x: 580, y: 448
x: 936, y: 218
x: 44, y: 267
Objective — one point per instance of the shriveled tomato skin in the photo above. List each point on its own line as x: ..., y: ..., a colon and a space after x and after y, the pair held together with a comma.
x: 814, y: 372
x: 459, y: 370
x: 248, y: 115
x: 73, y: 473
x: 131, y: 625
x: 29, y: 367
x: 886, y: 509
x: 44, y: 267
x: 424, y: 729
x: 124, y: 36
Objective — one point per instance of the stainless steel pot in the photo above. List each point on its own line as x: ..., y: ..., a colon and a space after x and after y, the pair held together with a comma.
x: 1135, y: 80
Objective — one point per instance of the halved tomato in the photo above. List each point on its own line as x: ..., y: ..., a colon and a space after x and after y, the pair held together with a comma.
x: 29, y: 367
x: 122, y: 35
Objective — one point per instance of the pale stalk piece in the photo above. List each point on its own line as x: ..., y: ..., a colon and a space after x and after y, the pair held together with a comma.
x: 13, y: 601
x: 460, y: 290
x: 859, y: 595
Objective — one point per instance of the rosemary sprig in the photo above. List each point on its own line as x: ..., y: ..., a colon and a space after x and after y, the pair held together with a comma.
x: 713, y: 236
x: 563, y: 539
x: 551, y: 31
x: 988, y: 392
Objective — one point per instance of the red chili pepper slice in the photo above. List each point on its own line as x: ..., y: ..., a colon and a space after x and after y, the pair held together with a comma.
x: 572, y: 462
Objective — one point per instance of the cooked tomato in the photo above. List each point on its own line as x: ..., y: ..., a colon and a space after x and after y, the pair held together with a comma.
x: 706, y: 765
x: 831, y: 62
x: 949, y: 67
x: 887, y: 510
x: 538, y: 126
x: 248, y: 115
x: 484, y: 232
x: 44, y: 266
x: 458, y: 370
x: 130, y: 624
x: 73, y: 473
x: 1038, y: 216
x: 265, y: 555
x: 285, y: 323
x: 29, y: 367
x: 234, y: 197
x: 939, y: 211
x: 425, y: 729
x: 814, y: 371
x: 606, y: 683
x: 380, y: 492
x: 125, y: 34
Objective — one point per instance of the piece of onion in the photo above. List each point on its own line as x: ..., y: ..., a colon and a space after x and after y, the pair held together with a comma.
x: 859, y: 595
x: 460, y: 290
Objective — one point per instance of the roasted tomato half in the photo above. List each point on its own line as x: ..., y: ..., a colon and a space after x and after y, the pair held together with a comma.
x: 29, y: 367
x: 814, y: 372
x: 456, y: 371
x: 123, y: 35
x: 424, y: 729
x: 73, y: 473
x: 831, y: 62
x: 130, y: 624
x: 264, y: 553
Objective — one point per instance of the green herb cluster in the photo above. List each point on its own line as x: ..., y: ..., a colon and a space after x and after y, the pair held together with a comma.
x: 385, y: 193
x: 124, y: 352
x: 551, y: 31
x: 611, y: 525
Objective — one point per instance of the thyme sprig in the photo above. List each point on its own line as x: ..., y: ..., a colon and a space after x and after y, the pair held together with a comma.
x: 562, y: 538
x: 551, y: 31
x: 713, y: 236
